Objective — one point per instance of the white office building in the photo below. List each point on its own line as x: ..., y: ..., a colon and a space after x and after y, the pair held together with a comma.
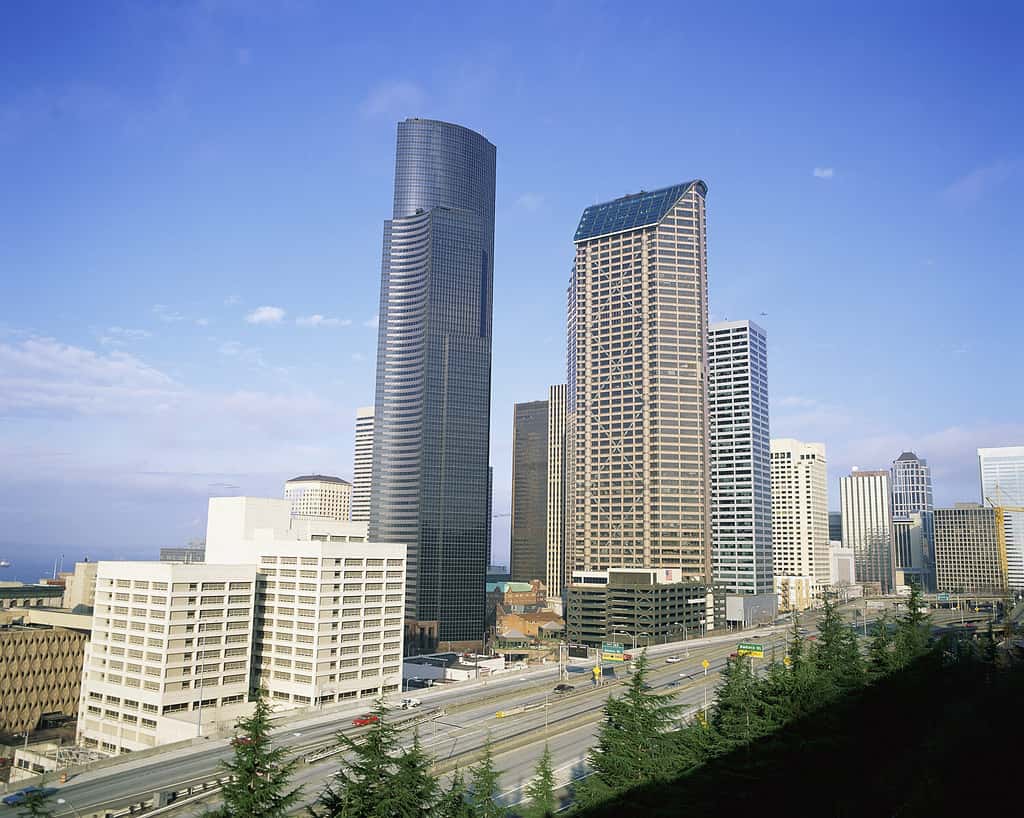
x: 866, y: 503
x: 739, y: 443
x: 169, y: 654
x: 1002, y: 483
x: 329, y: 621
x: 319, y: 496
x: 911, y: 481
x: 799, y: 495
x: 362, y: 470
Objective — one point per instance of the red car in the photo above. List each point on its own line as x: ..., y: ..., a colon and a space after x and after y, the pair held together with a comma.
x: 363, y: 721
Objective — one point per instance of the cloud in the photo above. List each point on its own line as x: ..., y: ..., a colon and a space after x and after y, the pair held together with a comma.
x: 969, y: 189
x: 114, y: 336
x: 165, y: 313
x: 531, y: 202
x: 372, y: 322
x: 824, y: 173
x: 394, y: 100
x: 318, y: 320
x: 265, y: 315
x: 245, y: 354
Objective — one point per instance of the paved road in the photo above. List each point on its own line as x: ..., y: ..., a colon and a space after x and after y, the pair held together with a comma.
x: 471, y: 719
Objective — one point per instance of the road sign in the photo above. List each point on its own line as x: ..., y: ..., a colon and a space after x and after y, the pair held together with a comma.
x: 705, y: 664
x: 787, y: 661
x: 942, y: 597
x: 754, y: 649
x: 612, y: 652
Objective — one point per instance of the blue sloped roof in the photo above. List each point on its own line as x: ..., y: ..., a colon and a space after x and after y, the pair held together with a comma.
x: 630, y: 212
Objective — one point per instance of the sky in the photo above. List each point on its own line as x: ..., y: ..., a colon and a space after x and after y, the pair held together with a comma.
x: 194, y: 196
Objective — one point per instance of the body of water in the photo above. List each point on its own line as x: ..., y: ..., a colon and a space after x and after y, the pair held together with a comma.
x: 29, y: 563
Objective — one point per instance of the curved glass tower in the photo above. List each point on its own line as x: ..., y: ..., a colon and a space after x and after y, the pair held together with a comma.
x: 432, y: 410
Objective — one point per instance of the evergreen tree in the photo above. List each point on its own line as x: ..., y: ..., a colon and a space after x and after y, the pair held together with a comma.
x: 912, y: 637
x: 738, y: 715
x: 415, y: 789
x: 635, y: 744
x: 881, y: 648
x: 838, y: 656
x: 364, y: 785
x: 261, y: 774
x: 454, y: 802
x: 485, y: 780
x: 541, y: 790
x: 36, y: 805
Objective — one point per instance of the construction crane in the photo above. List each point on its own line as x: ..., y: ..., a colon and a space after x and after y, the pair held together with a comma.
x: 1000, y: 509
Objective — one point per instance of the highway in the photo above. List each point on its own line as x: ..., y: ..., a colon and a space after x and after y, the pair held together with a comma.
x: 568, y: 722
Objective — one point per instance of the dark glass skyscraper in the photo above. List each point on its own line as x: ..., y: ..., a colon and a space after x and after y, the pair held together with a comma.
x: 432, y: 410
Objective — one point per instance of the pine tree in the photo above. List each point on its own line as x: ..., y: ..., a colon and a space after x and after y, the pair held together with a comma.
x: 880, y: 648
x: 415, y: 789
x: 838, y: 654
x: 454, y: 802
x: 261, y: 774
x: 912, y: 638
x: 36, y: 805
x: 485, y: 780
x: 635, y: 743
x: 364, y: 785
x: 738, y: 715
x: 541, y: 790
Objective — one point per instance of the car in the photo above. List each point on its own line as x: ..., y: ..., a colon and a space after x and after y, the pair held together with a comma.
x: 734, y: 655
x: 672, y: 660
x: 564, y: 688
x: 365, y: 720
x: 241, y: 741
x: 21, y: 796
x: 674, y: 683
x: 408, y: 703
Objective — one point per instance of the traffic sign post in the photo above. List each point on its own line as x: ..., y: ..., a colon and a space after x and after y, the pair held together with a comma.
x: 612, y: 652
x: 752, y: 649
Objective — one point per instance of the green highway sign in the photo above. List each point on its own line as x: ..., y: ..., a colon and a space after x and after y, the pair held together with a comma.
x: 612, y: 652
x: 753, y: 649
x: 942, y: 597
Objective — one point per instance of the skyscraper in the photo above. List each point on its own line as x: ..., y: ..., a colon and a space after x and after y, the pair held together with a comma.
x: 1002, y: 482
x: 800, y: 511
x: 911, y: 485
x: 555, y: 573
x: 741, y: 512
x: 835, y: 526
x: 432, y: 414
x: 362, y: 470
x: 529, y: 491
x: 867, y: 526
x: 637, y: 385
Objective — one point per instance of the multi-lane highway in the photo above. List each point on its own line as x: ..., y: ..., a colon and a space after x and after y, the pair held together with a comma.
x: 567, y: 722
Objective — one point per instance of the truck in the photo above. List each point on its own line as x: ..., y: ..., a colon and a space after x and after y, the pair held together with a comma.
x: 408, y: 703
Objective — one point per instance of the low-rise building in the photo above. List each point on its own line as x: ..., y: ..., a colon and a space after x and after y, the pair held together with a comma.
x: 539, y: 625
x: 21, y: 595
x: 451, y: 667
x: 170, y: 653
x: 330, y: 616
x: 796, y: 593
x: 195, y: 551
x: 640, y: 605
x: 520, y: 596
x: 40, y: 666
x: 842, y: 571
x: 80, y: 587
x: 744, y: 610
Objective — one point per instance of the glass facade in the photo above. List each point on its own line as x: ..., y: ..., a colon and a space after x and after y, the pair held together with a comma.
x: 1002, y: 483
x: 432, y: 412
x: 529, y: 491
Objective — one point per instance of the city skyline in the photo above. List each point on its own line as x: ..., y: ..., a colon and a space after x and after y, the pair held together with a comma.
x: 179, y: 321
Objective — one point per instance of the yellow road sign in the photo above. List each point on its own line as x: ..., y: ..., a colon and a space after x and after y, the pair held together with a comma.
x: 705, y: 664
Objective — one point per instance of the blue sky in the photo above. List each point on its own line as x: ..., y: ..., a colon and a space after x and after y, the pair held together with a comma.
x: 193, y: 198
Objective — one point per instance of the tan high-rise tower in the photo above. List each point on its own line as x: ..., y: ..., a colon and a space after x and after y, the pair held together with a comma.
x: 637, y: 453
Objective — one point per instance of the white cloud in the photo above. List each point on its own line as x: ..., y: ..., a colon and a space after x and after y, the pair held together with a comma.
x: 114, y: 336
x: 372, y: 322
x: 824, y: 173
x: 318, y: 320
x: 265, y: 315
x: 394, y: 100
x: 165, y: 313
x: 970, y: 188
x: 531, y: 202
